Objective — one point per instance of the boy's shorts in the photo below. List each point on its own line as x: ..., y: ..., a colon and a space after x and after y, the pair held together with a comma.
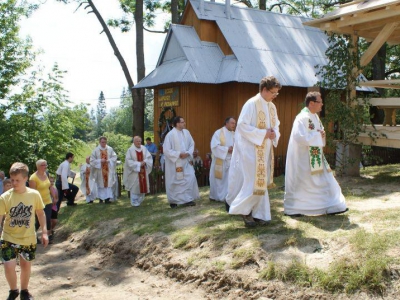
x: 54, y: 214
x: 10, y: 251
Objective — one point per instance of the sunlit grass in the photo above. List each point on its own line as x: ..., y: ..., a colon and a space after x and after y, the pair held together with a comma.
x: 205, y: 233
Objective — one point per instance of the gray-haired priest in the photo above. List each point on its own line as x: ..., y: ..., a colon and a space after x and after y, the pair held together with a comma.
x: 137, y: 167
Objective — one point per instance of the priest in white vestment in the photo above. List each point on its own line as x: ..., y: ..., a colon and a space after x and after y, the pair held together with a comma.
x: 221, y: 147
x: 104, y: 161
x: 310, y: 187
x: 88, y: 185
x: 137, y: 167
x: 180, y: 179
x: 257, y: 134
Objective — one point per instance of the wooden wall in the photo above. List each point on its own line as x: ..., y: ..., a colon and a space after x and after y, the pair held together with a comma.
x: 206, y: 30
x: 205, y: 107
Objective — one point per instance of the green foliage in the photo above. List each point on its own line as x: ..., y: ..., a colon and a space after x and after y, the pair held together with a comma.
x: 100, y: 114
x: 37, y: 124
x: 15, y: 54
x: 343, y: 109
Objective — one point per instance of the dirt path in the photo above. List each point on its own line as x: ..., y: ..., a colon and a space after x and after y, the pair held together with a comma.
x: 61, y: 274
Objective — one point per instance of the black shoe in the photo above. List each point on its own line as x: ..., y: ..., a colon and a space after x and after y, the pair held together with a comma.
x: 90, y: 202
x: 295, y: 215
x: 339, y: 212
x: 71, y: 204
x: 13, y: 294
x: 25, y: 295
x: 212, y: 200
x: 260, y: 222
x: 101, y: 201
x: 191, y: 203
x: 173, y: 205
x: 107, y: 201
x: 249, y: 221
x: 227, y: 207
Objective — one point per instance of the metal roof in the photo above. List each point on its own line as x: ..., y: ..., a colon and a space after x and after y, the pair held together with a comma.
x: 263, y: 43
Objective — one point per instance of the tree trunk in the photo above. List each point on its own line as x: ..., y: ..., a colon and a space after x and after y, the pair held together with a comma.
x: 378, y: 73
x: 174, y: 11
x: 138, y: 98
x: 262, y: 4
x: 137, y: 102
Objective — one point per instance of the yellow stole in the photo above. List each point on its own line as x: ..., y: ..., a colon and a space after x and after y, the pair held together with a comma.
x: 261, y: 180
x: 218, y: 170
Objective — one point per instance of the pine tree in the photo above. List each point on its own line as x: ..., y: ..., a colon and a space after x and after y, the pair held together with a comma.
x: 100, y: 114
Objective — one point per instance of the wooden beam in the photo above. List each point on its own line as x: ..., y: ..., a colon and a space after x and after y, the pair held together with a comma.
x: 380, y: 82
x: 377, y: 43
x: 387, y: 12
x: 389, y: 102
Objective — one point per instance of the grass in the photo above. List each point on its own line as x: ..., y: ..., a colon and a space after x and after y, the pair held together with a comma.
x: 206, y: 233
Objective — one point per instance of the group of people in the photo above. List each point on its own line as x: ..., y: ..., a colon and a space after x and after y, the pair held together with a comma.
x: 242, y: 169
x: 241, y: 173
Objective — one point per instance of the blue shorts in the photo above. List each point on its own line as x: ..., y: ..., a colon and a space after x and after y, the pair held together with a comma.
x: 10, y: 251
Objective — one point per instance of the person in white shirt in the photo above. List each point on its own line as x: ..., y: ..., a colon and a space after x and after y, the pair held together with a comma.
x: 66, y: 189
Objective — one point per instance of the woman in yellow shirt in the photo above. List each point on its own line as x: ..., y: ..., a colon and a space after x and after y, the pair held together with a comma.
x: 40, y: 182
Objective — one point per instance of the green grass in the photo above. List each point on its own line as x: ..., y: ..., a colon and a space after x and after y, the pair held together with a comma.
x: 207, y: 233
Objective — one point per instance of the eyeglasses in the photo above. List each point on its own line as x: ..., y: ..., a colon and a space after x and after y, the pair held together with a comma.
x: 275, y: 94
x: 318, y: 101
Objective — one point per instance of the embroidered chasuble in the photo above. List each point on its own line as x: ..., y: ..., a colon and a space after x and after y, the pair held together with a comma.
x: 142, y: 173
x: 218, y: 171
x: 261, y: 180
x: 87, y: 175
x: 316, y: 155
x: 104, y: 167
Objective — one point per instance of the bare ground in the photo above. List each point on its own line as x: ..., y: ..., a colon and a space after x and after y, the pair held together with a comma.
x: 86, y: 266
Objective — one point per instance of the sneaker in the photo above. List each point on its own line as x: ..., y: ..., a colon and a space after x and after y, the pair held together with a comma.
x: 13, y: 294
x: 25, y: 295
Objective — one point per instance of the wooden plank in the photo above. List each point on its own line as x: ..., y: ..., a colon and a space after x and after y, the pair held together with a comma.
x: 377, y: 43
x: 379, y: 142
x: 380, y: 14
x: 383, y: 102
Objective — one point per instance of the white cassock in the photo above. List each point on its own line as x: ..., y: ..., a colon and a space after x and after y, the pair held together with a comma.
x: 219, y: 186
x: 247, y: 138
x: 133, y: 181
x: 235, y: 181
x: 88, y: 185
x: 306, y: 193
x: 180, y: 180
x: 104, y: 174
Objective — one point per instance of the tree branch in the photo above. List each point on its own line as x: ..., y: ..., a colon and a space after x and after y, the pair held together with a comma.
x: 155, y: 31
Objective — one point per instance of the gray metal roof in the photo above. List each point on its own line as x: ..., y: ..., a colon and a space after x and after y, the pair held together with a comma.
x: 263, y: 43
